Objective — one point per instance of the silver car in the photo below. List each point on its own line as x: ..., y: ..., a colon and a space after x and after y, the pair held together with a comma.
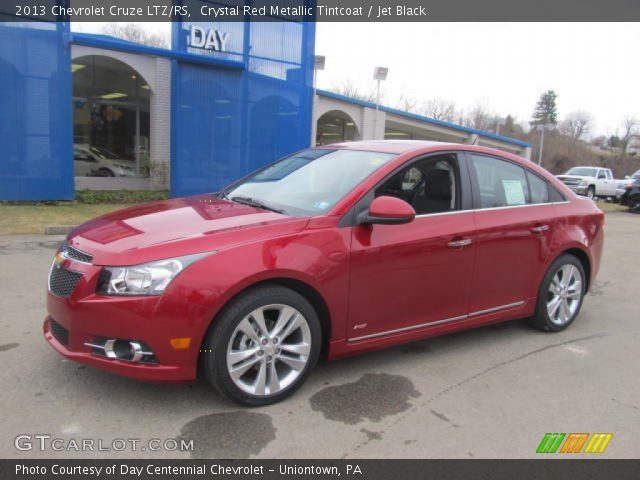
x: 89, y: 161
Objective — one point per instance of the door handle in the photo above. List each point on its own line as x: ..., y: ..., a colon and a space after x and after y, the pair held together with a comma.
x: 540, y: 229
x: 460, y: 243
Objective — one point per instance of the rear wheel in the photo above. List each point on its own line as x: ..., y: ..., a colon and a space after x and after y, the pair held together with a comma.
x: 560, y: 295
x: 263, y: 346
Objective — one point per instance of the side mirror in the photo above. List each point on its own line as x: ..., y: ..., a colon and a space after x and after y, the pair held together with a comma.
x: 387, y: 211
x: 627, y: 177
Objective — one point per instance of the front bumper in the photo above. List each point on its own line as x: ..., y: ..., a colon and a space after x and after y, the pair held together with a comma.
x: 85, y: 317
x: 579, y: 189
x: 151, y: 373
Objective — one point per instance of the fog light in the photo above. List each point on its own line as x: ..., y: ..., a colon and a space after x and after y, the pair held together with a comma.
x: 127, y: 350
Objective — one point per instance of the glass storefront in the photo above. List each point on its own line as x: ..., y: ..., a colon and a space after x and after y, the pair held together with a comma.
x: 111, y: 118
x: 335, y: 126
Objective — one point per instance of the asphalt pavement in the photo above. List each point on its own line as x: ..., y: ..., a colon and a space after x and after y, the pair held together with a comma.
x: 488, y: 393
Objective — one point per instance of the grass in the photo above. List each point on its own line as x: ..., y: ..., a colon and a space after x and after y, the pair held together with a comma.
x: 607, y: 207
x: 33, y: 218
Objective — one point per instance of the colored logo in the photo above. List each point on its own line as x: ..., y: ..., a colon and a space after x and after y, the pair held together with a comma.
x: 574, y: 442
x: 58, y: 259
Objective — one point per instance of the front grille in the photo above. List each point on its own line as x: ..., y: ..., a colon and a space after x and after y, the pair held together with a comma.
x: 571, y: 181
x: 74, y: 253
x: 62, y: 282
x: 59, y: 332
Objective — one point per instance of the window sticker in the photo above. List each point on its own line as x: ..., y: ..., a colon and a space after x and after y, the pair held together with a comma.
x: 513, y: 192
x: 321, y: 205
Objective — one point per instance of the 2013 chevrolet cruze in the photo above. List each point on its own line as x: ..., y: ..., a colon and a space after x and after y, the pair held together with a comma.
x: 339, y: 249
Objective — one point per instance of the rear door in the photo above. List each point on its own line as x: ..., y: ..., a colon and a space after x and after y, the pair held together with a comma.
x: 515, y: 222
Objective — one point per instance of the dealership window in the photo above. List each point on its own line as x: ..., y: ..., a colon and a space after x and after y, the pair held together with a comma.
x: 335, y: 126
x: 111, y: 121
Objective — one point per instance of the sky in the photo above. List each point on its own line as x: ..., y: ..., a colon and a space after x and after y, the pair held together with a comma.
x: 502, y: 66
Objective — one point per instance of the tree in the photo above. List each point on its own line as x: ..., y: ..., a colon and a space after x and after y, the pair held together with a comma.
x: 629, y: 131
x: 576, y: 125
x: 479, y: 117
x: 439, y: 109
x: 134, y: 32
x: 407, y: 103
x: 348, y: 89
x: 546, y: 111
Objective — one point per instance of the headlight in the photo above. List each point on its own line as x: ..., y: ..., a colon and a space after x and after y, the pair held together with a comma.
x: 584, y: 182
x: 147, y: 279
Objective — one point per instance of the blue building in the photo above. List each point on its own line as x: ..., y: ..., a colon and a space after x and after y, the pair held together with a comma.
x: 240, y: 95
x: 92, y: 111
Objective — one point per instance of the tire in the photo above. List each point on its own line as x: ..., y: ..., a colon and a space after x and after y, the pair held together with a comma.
x: 591, y: 192
x: 236, y: 333
x: 105, y: 172
x: 559, y: 296
x: 634, y: 204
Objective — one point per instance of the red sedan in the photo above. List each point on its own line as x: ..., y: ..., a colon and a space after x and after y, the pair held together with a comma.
x: 336, y: 250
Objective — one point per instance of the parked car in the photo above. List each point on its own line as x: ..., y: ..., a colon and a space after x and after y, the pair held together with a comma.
x: 334, y: 250
x: 631, y: 196
x: 622, y: 184
x: 592, y: 182
x: 89, y: 161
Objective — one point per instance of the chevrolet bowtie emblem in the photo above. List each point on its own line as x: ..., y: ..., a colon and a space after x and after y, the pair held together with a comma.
x: 58, y: 259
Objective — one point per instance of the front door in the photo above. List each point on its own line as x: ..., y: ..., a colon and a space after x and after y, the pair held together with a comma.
x: 407, y: 276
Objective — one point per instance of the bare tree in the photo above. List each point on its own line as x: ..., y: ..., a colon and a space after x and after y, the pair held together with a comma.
x: 630, y: 129
x: 134, y: 32
x: 407, y: 103
x: 439, y: 109
x: 576, y: 125
x: 478, y: 117
x: 348, y: 89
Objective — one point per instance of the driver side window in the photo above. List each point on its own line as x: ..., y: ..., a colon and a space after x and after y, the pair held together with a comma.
x: 429, y: 185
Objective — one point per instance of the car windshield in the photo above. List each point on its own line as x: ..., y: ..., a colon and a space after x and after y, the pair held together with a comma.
x: 582, y: 172
x: 309, y: 182
x: 636, y: 175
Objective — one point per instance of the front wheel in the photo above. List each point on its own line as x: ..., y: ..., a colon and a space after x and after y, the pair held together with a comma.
x: 263, y: 346
x: 591, y: 193
x: 634, y: 204
x: 560, y: 295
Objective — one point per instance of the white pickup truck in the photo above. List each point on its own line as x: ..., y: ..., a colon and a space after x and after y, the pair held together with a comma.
x: 591, y: 181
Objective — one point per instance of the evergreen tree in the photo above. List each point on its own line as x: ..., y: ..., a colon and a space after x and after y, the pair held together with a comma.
x: 546, y: 111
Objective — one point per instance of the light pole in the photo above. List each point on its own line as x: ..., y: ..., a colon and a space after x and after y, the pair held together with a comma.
x: 379, y: 74
x: 541, y: 128
x: 500, y: 122
x: 318, y: 64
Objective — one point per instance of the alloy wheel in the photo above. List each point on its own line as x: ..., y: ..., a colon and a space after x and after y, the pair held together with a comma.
x: 269, y: 349
x: 564, y: 295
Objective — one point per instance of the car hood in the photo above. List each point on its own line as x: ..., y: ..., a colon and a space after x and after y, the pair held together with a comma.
x: 176, y: 227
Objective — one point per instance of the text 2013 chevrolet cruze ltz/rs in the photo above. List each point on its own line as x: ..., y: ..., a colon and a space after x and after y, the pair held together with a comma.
x: 331, y: 251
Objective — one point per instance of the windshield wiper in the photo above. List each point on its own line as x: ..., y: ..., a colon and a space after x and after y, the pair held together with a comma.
x: 254, y: 203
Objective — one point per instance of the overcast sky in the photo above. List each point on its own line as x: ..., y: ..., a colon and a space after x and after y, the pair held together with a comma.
x: 504, y: 66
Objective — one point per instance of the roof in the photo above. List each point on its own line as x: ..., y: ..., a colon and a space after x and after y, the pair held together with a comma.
x: 423, y: 118
x: 388, y: 146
